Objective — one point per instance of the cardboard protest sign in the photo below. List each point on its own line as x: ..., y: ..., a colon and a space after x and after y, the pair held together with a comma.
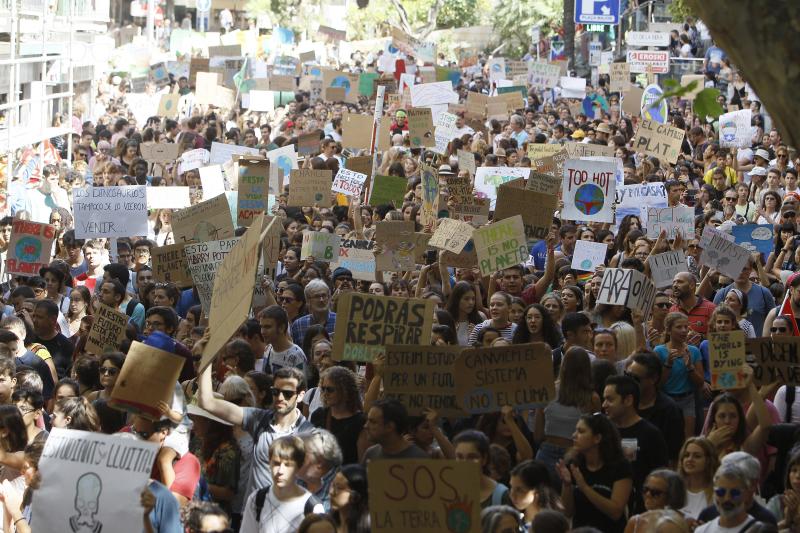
x: 726, y: 354
x: 147, y: 377
x: 552, y: 165
x: 663, y: 267
x: 170, y: 197
x: 396, y: 239
x: 348, y: 182
x: 726, y: 256
x: 110, y: 211
x: 468, y: 258
x: 159, y: 152
x: 544, y: 183
x: 755, y: 237
x: 335, y: 94
x: 108, y: 330
x: 424, y: 496
x: 207, y: 221
x: 361, y: 164
x: 369, y: 323
x: 193, y: 159
x: 588, y: 190
x: 387, y: 190
x: 700, y: 80
x: 632, y: 101
x: 233, y: 288
x: 577, y: 150
x: 501, y: 245
x: 169, y: 265
x: 489, y: 378
x: 775, y: 359
x: 308, y: 143
x: 466, y: 161
x: 356, y: 131
x: 659, y: 140
x: 672, y: 220
x: 168, y: 105
x: 628, y: 287
x: 203, y: 259
x: 321, y: 246
x: 474, y: 213
x: 89, y: 481
x: 341, y: 85
x: 422, y: 376
x: 282, y: 83
x: 476, y: 104
x: 310, y: 187
x: 356, y: 255
x: 620, y: 74
x: 735, y: 129
x: 539, y: 150
x: 271, y: 246
x: 488, y: 179
x: 589, y: 255
x: 537, y: 222
x: 451, y: 235
x: 420, y: 127
x: 29, y: 248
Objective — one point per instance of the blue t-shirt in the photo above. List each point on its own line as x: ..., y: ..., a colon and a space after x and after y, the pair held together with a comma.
x: 166, y: 514
x: 678, y: 382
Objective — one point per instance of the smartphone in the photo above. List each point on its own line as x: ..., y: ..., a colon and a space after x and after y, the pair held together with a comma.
x: 430, y: 257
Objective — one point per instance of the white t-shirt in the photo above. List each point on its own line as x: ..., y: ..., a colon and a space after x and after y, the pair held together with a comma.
x: 714, y: 527
x: 316, y: 400
x: 276, y: 516
x: 780, y: 404
x: 695, y: 503
x: 292, y: 356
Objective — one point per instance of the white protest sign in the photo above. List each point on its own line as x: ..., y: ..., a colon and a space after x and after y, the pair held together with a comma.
x: 488, y: 179
x: 356, y: 255
x: 321, y: 246
x: 573, y: 87
x: 203, y: 260
x: 588, y: 190
x: 544, y: 75
x: 735, y: 129
x: 262, y: 101
x: 632, y: 199
x: 172, y: 197
x: 647, y: 38
x: 673, y: 220
x: 725, y: 256
x: 427, y: 94
x: 193, y: 159
x: 91, y: 482
x: 221, y: 153
x: 628, y: 287
x: 110, y: 211
x: 348, y: 182
x: 212, y: 181
x: 709, y: 232
x: 285, y: 160
x: 589, y: 255
x: 445, y: 125
x: 663, y: 267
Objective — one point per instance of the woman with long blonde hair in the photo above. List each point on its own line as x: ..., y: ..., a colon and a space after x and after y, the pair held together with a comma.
x: 697, y: 462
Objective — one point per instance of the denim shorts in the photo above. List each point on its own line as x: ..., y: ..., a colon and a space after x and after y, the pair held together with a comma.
x: 686, y: 404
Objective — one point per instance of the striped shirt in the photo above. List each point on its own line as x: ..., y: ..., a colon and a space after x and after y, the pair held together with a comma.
x: 506, y: 332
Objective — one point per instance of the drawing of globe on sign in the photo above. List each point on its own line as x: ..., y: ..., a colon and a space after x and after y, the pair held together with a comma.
x: 284, y: 163
x: 589, y: 199
x: 341, y: 81
x: 168, y: 104
x: 28, y: 249
x: 651, y: 110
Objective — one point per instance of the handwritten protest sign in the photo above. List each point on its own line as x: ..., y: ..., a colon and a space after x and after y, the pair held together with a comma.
x: 108, y: 330
x: 160, y: 152
x: 451, y: 235
x: 89, y: 480
x: 424, y: 496
x: 321, y: 246
x: 310, y: 187
x: 468, y: 258
x: 726, y: 256
x: 588, y: 190
x: 203, y: 260
x: 30, y: 247
x: 709, y: 232
x: 348, y: 182
x: 387, y: 190
x: 466, y: 161
x: 420, y: 127
x: 199, y: 157
x: 672, y: 220
x: 356, y: 255
x: 221, y: 153
x: 755, y: 237
x: 631, y: 199
x: 422, y: 376
x: 544, y: 183
x: 233, y: 288
x: 537, y: 222
x: 147, y: 377
x: 539, y: 150
x: 726, y: 352
x: 620, y: 74
x: 628, y: 287
x: 110, y: 211
x: 735, y: 130
x: 169, y: 265
x: 659, y: 140
x: 544, y: 75
x: 775, y: 359
x: 501, y: 245
x: 207, y: 221
x: 474, y: 213
x: 401, y: 247
x: 370, y: 323
x: 663, y: 267
x: 552, y: 166
x: 489, y: 378
x: 428, y: 94
x: 589, y: 255
x: 488, y: 179
x: 253, y: 190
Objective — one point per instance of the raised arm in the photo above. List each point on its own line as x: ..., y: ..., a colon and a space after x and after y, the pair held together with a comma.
x: 205, y: 392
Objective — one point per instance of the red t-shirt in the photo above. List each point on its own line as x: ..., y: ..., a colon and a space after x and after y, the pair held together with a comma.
x: 187, y: 475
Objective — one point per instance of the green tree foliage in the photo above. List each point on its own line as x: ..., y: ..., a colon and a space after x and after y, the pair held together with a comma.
x: 513, y: 21
x: 459, y: 14
x: 380, y: 15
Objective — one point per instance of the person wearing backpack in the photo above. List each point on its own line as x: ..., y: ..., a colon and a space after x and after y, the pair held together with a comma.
x: 282, y: 506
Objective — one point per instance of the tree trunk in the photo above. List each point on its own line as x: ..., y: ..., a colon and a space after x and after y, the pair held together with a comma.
x: 761, y: 39
x: 405, y: 23
x: 569, y: 32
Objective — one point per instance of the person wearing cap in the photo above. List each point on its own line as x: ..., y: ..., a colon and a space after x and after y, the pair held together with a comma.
x: 759, y: 298
x: 318, y: 301
x: 400, y: 122
x: 758, y: 178
x: 445, y: 170
x: 602, y: 134
x: 789, y: 213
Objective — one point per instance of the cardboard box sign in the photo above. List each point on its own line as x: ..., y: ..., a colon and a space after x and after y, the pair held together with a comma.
x: 169, y: 265
x: 422, y: 376
x: 726, y: 352
x: 108, y: 330
x: 775, y: 359
x: 628, y: 287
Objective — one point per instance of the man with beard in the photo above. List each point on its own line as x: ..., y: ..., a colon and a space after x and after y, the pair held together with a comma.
x: 697, y: 308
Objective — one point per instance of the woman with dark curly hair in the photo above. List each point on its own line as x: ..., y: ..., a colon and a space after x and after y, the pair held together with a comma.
x: 342, y: 412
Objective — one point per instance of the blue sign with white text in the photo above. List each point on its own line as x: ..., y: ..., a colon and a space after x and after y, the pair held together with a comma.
x: 597, y: 12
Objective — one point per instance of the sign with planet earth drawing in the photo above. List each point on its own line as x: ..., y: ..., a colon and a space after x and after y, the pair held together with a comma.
x: 30, y: 246
x: 588, y: 189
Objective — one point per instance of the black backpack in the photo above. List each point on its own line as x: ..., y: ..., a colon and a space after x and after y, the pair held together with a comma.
x: 261, y: 495
x: 131, y: 307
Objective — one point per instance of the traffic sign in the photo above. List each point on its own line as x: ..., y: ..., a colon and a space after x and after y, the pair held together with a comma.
x: 597, y: 11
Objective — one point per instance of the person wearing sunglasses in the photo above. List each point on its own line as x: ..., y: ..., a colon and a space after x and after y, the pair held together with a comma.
x: 110, y: 367
x: 663, y: 489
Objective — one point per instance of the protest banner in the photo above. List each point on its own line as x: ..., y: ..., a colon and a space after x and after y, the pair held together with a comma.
x: 543, y: 75
x: 387, y: 190
x: 501, y: 245
x: 356, y: 255
x: 489, y: 378
x: 726, y: 256
x: 321, y: 246
x: 537, y: 222
x: 726, y: 354
x: 488, y: 179
x: 89, y: 481
x: 451, y: 235
x: 221, y: 153
x: 160, y: 152
x: 589, y: 255
x: 207, y: 221
x: 30, y: 247
x: 644, y: 61
x: 735, y: 130
x: 110, y: 211
x: 588, y: 190
x: 755, y: 237
x: 348, y: 182
x: 203, y: 259
x: 310, y: 187
x: 775, y: 359
x: 147, y: 377
x: 233, y: 288
x: 424, y: 496
x: 628, y: 287
x: 421, y: 377
x: 664, y: 266
x: 620, y: 77
x: 369, y: 323
x: 420, y: 127
x: 466, y: 161
x: 169, y: 265
x: 659, y: 140
x: 108, y: 330
x: 171, y: 197
x: 672, y: 220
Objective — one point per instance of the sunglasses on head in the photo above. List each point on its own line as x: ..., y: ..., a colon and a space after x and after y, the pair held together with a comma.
x: 288, y: 394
